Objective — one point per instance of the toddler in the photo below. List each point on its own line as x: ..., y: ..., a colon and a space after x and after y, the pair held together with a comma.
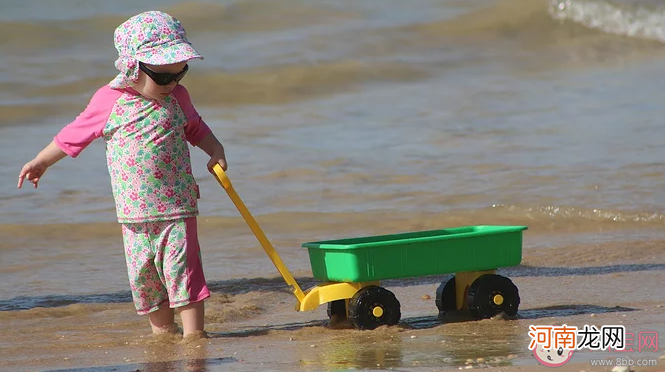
x: 146, y: 119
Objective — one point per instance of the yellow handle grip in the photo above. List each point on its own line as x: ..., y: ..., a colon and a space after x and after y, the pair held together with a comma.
x: 221, y: 177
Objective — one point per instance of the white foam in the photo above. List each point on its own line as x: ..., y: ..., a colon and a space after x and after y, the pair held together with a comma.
x: 638, y: 22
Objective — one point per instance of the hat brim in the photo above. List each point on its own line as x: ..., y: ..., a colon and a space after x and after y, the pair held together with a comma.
x: 168, y: 54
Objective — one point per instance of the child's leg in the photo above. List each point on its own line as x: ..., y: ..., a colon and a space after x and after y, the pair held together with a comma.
x: 150, y: 296
x: 192, y: 317
x: 183, y: 273
x: 163, y: 320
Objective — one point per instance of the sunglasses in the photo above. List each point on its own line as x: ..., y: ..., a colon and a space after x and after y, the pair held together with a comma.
x: 163, y: 78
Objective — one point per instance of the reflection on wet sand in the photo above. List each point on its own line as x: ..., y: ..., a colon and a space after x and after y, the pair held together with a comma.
x: 398, y: 347
x: 361, y: 352
x: 184, y: 365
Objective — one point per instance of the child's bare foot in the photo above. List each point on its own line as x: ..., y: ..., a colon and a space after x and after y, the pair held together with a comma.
x: 195, y: 335
x: 172, y: 329
x: 169, y: 334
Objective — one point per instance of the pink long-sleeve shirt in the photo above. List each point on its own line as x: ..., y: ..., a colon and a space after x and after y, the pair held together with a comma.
x: 146, y: 150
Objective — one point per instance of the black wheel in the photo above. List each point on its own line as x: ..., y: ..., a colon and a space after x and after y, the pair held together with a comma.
x: 337, y: 308
x: 491, y: 294
x: 445, y: 296
x: 372, y: 307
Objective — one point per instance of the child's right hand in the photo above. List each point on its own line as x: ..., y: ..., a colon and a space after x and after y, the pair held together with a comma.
x: 35, y: 168
x: 32, y: 171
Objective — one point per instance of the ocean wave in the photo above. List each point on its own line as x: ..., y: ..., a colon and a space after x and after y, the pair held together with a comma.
x: 520, y: 34
x: 507, y: 19
x: 583, y: 214
x: 197, y: 17
x: 624, y: 20
x: 274, y: 84
x: 292, y: 225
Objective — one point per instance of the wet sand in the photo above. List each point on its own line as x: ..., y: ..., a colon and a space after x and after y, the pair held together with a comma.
x: 253, y: 330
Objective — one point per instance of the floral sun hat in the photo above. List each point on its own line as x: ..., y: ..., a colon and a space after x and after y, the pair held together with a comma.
x: 152, y: 37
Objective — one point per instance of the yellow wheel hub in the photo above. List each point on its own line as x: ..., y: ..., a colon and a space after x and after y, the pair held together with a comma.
x: 377, y: 311
x: 497, y: 299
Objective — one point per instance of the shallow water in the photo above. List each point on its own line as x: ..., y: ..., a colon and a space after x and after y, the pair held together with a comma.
x: 340, y: 119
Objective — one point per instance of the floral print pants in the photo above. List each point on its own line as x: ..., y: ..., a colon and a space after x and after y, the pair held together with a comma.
x: 164, y: 264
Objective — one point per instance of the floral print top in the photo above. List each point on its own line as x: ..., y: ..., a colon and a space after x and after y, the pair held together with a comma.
x: 146, y: 150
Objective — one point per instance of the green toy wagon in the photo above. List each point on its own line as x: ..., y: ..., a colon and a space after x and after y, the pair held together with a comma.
x: 352, y: 269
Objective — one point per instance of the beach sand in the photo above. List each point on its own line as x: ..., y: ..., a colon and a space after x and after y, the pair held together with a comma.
x: 260, y: 330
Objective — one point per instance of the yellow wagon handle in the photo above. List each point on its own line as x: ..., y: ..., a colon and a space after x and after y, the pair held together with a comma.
x: 224, y: 181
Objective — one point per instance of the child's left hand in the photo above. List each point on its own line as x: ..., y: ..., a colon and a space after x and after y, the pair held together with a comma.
x: 217, y: 158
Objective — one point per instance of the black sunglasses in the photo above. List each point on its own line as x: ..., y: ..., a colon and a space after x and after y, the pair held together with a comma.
x: 163, y: 78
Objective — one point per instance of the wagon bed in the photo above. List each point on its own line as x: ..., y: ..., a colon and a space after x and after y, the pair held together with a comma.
x: 413, y: 254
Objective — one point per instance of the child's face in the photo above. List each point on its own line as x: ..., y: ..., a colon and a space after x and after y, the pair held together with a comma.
x: 149, y: 89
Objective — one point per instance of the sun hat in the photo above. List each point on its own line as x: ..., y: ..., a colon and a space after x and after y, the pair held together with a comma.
x: 152, y: 37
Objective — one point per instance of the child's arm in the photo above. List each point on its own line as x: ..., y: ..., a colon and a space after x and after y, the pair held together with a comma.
x: 74, y: 137
x: 35, y: 168
x: 211, y: 145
